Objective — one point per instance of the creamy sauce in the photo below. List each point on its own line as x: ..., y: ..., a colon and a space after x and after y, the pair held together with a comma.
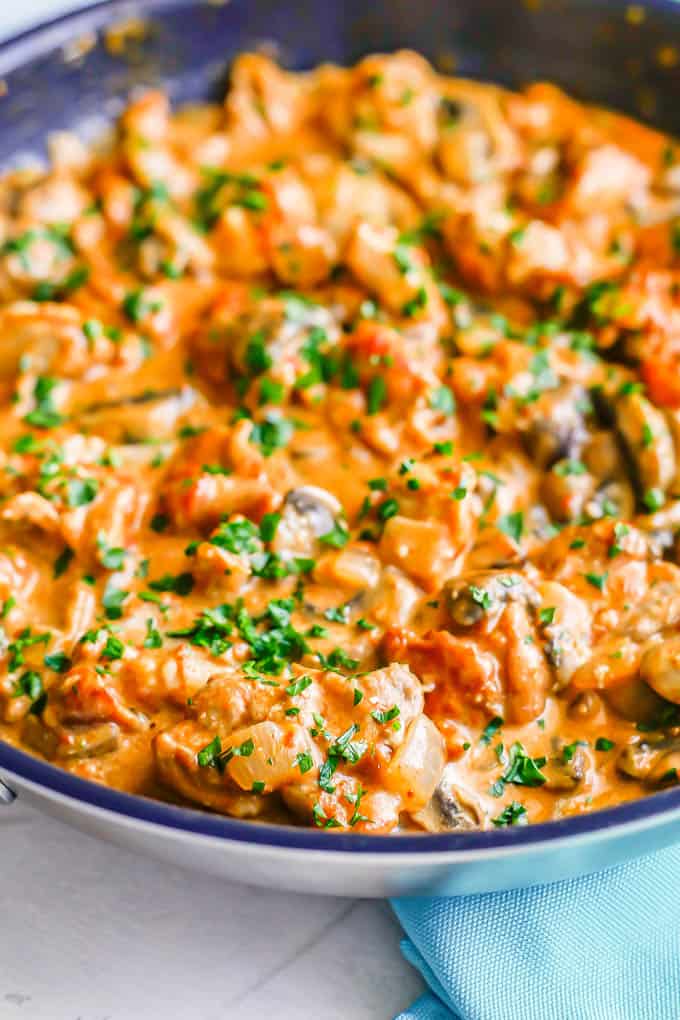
x: 339, y: 464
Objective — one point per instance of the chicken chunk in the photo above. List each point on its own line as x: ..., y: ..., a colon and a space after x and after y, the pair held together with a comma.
x: 318, y: 738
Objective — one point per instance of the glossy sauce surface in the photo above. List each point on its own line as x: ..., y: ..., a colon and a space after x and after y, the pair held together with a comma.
x: 339, y: 470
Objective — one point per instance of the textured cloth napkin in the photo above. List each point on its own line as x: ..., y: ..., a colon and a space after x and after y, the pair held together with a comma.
x: 603, y: 947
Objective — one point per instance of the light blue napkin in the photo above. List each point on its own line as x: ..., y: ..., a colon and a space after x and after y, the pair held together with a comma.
x: 603, y: 947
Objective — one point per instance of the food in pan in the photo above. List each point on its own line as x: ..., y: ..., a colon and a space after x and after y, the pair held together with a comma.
x: 341, y: 452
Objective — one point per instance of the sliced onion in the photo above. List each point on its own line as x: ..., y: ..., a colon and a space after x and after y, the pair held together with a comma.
x: 274, y: 759
x: 417, y: 766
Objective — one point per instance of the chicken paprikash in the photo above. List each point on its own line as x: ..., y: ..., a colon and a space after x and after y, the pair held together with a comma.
x: 340, y: 470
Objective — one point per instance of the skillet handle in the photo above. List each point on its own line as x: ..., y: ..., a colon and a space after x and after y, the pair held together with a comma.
x: 7, y: 796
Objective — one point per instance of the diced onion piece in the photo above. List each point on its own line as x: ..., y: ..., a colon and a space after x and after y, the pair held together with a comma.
x: 354, y: 568
x: 417, y: 766
x: 275, y: 759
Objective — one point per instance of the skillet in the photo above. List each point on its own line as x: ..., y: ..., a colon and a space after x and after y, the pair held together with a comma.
x: 62, y: 75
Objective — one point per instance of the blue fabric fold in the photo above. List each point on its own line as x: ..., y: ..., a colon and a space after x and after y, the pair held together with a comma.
x: 601, y: 947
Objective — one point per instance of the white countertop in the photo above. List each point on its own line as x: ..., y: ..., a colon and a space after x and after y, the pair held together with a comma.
x: 91, y: 932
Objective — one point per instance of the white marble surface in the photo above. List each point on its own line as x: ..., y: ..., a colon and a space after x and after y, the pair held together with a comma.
x: 90, y: 932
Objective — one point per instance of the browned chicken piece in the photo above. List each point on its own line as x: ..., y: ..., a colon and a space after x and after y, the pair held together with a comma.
x: 317, y: 739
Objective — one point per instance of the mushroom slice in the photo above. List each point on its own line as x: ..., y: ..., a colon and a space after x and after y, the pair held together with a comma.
x: 666, y: 771
x: 309, y: 513
x: 654, y: 761
x: 89, y: 741
x: 647, y: 442
x: 453, y: 807
x: 566, y: 771
x: 635, y: 701
x: 557, y: 429
x: 615, y: 496
x: 565, y: 491
x: 67, y: 743
x: 566, y: 623
x: 483, y: 596
x: 660, y: 668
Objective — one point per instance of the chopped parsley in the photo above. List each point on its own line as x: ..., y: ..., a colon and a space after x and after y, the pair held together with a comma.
x: 337, y: 537
x: 620, y: 531
x: 377, y: 394
x: 597, y: 580
x: 569, y: 750
x: 272, y: 433
x: 153, y: 638
x: 58, y: 661
x: 343, y: 748
x: 522, y: 770
x: 112, y: 601
x: 653, y: 499
x: 304, y: 761
x: 512, y: 814
x: 110, y: 557
x: 567, y: 468
x: 238, y: 537
x: 512, y: 525
x: 386, y: 716
x: 25, y: 639
x: 298, y: 686
x: 388, y: 508
x: 268, y: 526
x: 159, y: 522
x: 137, y: 306
x: 81, y: 491
x: 113, y: 648
x: 180, y: 584
x: 211, y: 630
x: 490, y: 730
x: 28, y: 685
x: 63, y: 561
x: 415, y: 304
x: 44, y: 415
x: 212, y: 756
x: 337, y: 658
x: 337, y: 614
x: 442, y: 399
x: 481, y: 596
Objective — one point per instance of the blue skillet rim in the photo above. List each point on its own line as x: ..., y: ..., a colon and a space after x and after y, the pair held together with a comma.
x: 15, y: 51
